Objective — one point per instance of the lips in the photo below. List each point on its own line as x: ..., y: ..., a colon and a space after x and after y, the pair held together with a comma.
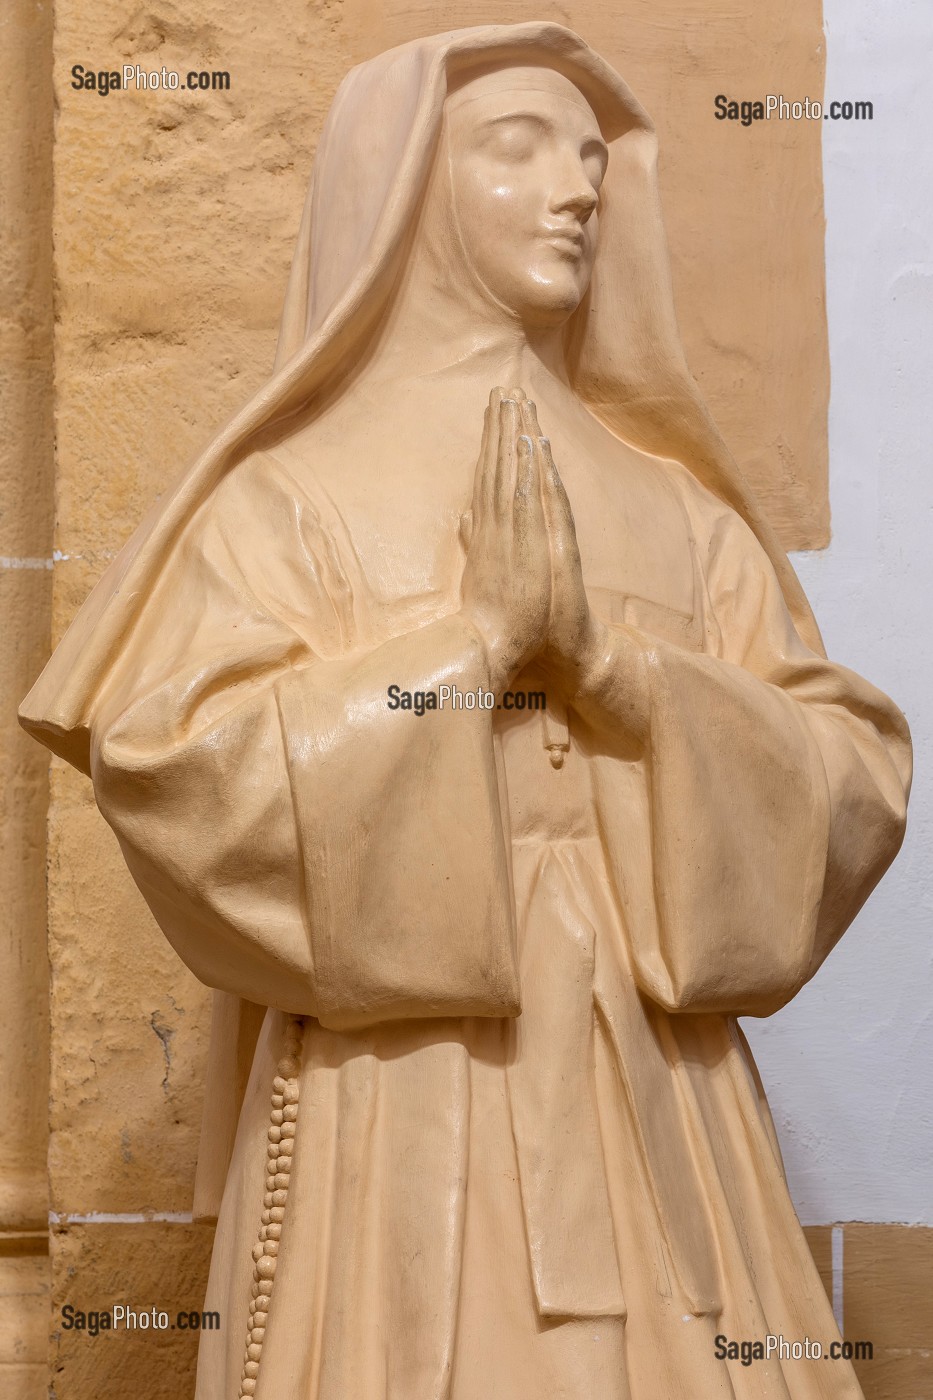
x: 568, y: 239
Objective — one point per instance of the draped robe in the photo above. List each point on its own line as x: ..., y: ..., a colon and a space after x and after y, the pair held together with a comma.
x: 575, y: 1200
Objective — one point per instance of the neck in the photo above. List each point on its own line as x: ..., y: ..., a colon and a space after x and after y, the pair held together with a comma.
x: 441, y: 325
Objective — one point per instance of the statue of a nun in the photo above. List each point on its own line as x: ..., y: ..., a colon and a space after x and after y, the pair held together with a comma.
x: 480, y: 1121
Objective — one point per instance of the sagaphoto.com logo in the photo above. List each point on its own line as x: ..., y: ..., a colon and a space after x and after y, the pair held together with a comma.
x: 776, y: 107
x: 134, y: 77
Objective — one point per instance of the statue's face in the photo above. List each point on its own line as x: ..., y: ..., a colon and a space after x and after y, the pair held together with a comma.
x: 527, y: 160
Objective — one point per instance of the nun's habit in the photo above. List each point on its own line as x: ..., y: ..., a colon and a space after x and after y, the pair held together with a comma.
x: 574, y: 1201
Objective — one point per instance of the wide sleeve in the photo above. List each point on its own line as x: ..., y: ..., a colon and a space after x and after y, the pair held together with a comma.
x: 302, y: 844
x: 775, y: 787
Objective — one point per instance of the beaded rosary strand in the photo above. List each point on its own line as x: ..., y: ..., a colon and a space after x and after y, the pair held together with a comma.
x: 283, y: 1117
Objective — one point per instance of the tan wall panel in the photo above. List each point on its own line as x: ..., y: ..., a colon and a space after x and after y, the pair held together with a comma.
x: 887, y: 1299
x: 888, y: 1272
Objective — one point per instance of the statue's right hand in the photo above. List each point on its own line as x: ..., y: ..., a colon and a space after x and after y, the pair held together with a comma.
x: 506, y: 586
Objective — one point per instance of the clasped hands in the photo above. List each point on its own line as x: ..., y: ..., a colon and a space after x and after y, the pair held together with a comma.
x: 522, y: 584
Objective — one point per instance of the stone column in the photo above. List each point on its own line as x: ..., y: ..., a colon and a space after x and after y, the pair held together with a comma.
x: 25, y: 599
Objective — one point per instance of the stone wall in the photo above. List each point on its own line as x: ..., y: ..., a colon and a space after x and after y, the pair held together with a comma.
x: 175, y: 218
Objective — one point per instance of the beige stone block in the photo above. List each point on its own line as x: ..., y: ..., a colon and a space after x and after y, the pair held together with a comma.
x: 25, y: 596
x: 26, y: 443
x: 129, y: 1028
x: 897, y: 1375
x: 889, y: 1286
x: 25, y: 1382
x: 207, y: 184
x: 24, y: 1289
x: 130, y: 420
x: 141, y: 1266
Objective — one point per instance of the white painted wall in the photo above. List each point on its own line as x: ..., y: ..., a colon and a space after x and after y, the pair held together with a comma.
x: 849, y: 1064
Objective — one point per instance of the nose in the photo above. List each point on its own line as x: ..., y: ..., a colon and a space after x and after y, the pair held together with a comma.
x: 573, y: 191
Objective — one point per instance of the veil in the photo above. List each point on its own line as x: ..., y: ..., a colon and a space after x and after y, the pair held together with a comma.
x: 370, y: 172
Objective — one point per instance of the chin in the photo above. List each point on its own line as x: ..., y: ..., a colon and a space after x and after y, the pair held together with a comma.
x: 556, y: 286
x: 553, y: 301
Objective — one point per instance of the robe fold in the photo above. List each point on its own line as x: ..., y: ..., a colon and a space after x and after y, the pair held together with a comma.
x: 532, y: 1156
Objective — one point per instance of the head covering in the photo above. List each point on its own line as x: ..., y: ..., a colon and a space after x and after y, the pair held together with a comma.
x: 370, y: 173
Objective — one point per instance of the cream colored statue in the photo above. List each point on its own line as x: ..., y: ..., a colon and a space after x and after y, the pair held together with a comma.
x: 502, y: 1138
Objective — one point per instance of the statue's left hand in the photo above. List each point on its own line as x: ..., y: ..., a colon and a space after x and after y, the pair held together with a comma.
x: 575, y: 637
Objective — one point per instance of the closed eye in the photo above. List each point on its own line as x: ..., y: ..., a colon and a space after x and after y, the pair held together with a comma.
x: 595, y: 156
x: 515, y: 136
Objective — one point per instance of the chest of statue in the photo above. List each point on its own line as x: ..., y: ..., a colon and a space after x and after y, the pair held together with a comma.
x: 397, y: 500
